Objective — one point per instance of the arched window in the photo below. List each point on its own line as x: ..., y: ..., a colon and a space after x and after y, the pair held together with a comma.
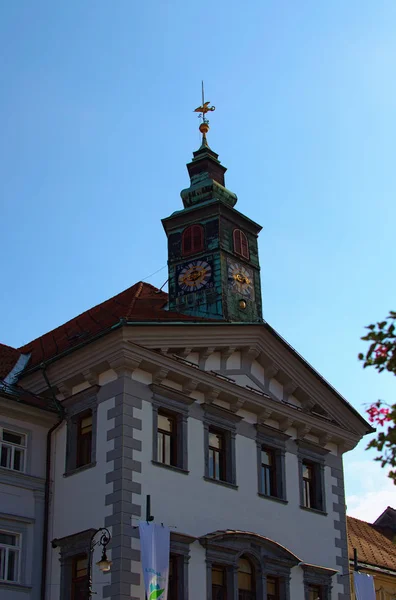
x: 241, y: 245
x: 246, y: 583
x: 192, y: 239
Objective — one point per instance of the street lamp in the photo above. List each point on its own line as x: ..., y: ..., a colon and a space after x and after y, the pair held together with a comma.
x: 104, y: 563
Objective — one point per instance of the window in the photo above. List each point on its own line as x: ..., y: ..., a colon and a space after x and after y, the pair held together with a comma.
x: 79, y: 577
x: 166, y: 438
x: 219, y: 444
x: 309, y: 499
x: 271, y: 450
x: 84, y: 439
x: 246, y: 583
x: 219, y: 583
x: 217, y: 455
x: 81, y: 414
x: 272, y: 588
x: 192, y: 239
x: 13, y: 449
x: 241, y: 245
x: 315, y: 592
x: 170, y: 414
x: 312, y: 477
x: 9, y: 556
x: 268, y: 472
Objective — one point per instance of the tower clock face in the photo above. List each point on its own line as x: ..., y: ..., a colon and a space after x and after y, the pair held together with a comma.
x: 194, y: 276
x: 240, y: 279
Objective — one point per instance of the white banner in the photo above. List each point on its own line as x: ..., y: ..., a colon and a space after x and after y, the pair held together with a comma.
x: 155, y: 548
x: 364, y: 586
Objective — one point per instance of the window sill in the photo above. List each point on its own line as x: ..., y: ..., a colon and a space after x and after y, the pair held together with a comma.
x: 314, y: 510
x: 272, y: 498
x: 223, y: 483
x: 170, y: 467
x: 79, y: 469
x: 10, y: 585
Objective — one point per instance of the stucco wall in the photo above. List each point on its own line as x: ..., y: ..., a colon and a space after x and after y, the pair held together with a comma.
x: 189, y: 504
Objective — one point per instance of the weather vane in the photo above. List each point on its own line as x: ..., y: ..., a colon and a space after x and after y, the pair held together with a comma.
x: 205, y: 108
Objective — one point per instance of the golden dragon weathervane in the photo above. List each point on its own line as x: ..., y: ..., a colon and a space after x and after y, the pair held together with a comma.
x: 205, y: 108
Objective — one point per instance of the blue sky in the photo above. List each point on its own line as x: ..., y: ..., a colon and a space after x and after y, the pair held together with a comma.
x: 97, y: 126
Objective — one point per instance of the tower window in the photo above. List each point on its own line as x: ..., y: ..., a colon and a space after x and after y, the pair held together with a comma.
x: 241, y: 245
x: 192, y: 239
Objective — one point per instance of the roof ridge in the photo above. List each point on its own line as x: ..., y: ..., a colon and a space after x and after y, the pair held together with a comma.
x: 9, y: 347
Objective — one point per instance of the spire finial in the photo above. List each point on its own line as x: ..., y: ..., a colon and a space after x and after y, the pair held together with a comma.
x: 204, y: 126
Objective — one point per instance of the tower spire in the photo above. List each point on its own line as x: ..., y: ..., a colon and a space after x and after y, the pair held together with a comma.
x: 204, y: 126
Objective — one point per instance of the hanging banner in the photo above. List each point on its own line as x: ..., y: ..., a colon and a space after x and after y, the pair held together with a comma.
x: 364, y: 586
x: 154, y: 549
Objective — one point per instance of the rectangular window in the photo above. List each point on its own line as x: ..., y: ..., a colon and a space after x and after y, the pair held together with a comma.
x: 217, y: 454
x: 12, y: 450
x: 9, y: 556
x: 268, y: 472
x: 79, y: 577
x: 84, y: 439
x: 315, y: 592
x: 272, y: 588
x: 309, y: 496
x: 167, y: 439
x: 219, y: 583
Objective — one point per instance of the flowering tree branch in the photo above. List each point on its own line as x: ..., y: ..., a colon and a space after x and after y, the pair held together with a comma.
x: 382, y: 356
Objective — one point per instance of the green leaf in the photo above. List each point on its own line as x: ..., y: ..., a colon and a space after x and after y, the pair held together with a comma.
x: 156, y: 594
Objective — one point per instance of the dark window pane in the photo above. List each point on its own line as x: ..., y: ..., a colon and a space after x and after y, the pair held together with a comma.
x: 315, y: 592
x: 219, y: 581
x: 14, y: 438
x: 5, y: 457
x: 12, y: 574
x: 18, y: 460
x: 8, y: 539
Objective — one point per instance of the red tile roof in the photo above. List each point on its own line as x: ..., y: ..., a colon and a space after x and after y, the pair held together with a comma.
x: 141, y: 302
x: 8, y: 358
x: 372, y: 547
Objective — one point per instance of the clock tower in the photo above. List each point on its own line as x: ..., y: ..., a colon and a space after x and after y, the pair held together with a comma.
x: 213, y: 262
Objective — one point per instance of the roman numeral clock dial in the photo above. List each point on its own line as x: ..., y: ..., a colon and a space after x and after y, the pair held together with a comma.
x: 194, y: 276
x: 240, y: 280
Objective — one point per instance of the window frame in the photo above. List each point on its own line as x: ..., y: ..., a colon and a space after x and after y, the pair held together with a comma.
x: 176, y: 404
x: 240, y: 241
x: 189, y: 231
x: 82, y: 446
x: 313, y: 455
x: 71, y: 547
x: 77, y: 407
x: 274, y: 440
x: 224, y: 421
x: 266, y: 557
x: 18, y: 551
x: 75, y: 579
x: 320, y: 577
x: 23, y: 448
x: 221, y: 452
x: 173, y: 436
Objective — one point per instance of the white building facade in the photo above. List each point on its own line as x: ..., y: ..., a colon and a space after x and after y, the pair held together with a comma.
x: 194, y: 401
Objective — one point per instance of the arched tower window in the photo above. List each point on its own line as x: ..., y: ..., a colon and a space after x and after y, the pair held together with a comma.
x: 192, y: 239
x: 246, y: 583
x: 241, y: 245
